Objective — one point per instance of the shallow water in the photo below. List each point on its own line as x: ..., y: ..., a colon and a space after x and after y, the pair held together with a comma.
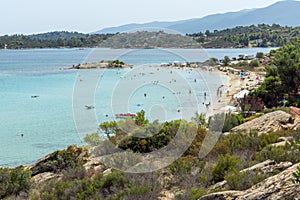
x: 47, y: 122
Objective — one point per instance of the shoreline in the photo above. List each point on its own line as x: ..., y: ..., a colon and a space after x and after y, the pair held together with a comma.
x: 233, y: 82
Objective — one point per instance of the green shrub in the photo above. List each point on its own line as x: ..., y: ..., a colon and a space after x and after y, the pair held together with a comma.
x: 230, y: 121
x: 279, y: 154
x: 93, y: 139
x: 60, y: 160
x: 13, y: 181
x: 196, y: 193
x: 296, y: 176
x: 112, y: 186
x: 184, y: 165
x: 243, y: 180
x: 134, y: 191
x: 254, y: 63
x: 224, y: 165
x: 114, y: 179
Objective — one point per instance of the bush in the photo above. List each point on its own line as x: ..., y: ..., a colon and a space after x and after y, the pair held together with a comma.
x: 59, y: 161
x: 14, y: 181
x: 135, y: 192
x: 196, y: 193
x: 93, y: 139
x: 259, y: 55
x: 279, y: 154
x: 184, y: 165
x: 224, y: 165
x: 114, y: 179
x: 254, y: 63
x: 224, y: 122
x: 100, y: 186
x: 296, y: 176
x: 243, y: 180
x: 230, y: 122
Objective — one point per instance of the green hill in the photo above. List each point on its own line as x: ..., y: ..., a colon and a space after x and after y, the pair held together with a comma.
x: 262, y: 35
x: 146, y: 39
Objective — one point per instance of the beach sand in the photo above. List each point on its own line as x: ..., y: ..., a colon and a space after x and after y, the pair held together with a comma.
x: 233, y: 86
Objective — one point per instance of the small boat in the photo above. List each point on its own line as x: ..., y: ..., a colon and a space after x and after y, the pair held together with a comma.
x: 89, y: 107
x: 34, y: 96
x: 125, y: 115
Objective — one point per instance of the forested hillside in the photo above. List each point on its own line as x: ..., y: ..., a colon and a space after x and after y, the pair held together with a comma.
x: 262, y: 35
x: 52, y: 40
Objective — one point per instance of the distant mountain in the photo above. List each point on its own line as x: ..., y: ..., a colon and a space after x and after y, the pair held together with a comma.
x: 135, y: 26
x: 285, y: 13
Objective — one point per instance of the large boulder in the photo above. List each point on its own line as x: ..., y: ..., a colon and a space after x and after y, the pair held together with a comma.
x: 270, y: 122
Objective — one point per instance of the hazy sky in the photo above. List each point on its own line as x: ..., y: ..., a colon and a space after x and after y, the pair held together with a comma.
x: 35, y: 16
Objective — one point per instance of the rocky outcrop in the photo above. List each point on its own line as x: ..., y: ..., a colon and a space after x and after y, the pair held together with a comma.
x: 265, y: 167
x: 270, y: 122
x: 276, y: 187
x: 41, y: 178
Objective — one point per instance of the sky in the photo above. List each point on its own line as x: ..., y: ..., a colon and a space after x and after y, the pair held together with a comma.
x: 37, y: 16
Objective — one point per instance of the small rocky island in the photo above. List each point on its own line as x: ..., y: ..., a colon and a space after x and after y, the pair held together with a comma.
x: 111, y: 64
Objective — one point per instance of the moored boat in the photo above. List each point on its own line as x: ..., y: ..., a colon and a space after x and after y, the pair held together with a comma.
x: 125, y: 115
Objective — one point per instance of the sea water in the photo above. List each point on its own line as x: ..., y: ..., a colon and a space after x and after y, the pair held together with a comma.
x: 47, y: 122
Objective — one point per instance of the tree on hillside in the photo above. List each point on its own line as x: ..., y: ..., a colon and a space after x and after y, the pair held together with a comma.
x: 140, y: 118
x: 109, y: 128
x: 226, y: 60
x: 270, y: 91
x: 287, y: 60
x: 259, y: 55
x: 283, y: 78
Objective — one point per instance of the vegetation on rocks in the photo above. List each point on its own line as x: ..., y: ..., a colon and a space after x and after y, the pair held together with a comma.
x: 76, y: 175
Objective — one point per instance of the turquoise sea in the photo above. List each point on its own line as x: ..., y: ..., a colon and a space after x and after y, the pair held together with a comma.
x: 47, y: 122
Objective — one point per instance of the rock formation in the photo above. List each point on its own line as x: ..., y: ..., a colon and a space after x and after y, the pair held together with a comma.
x: 275, y: 187
x: 265, y: 167
x: 270, y: 122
